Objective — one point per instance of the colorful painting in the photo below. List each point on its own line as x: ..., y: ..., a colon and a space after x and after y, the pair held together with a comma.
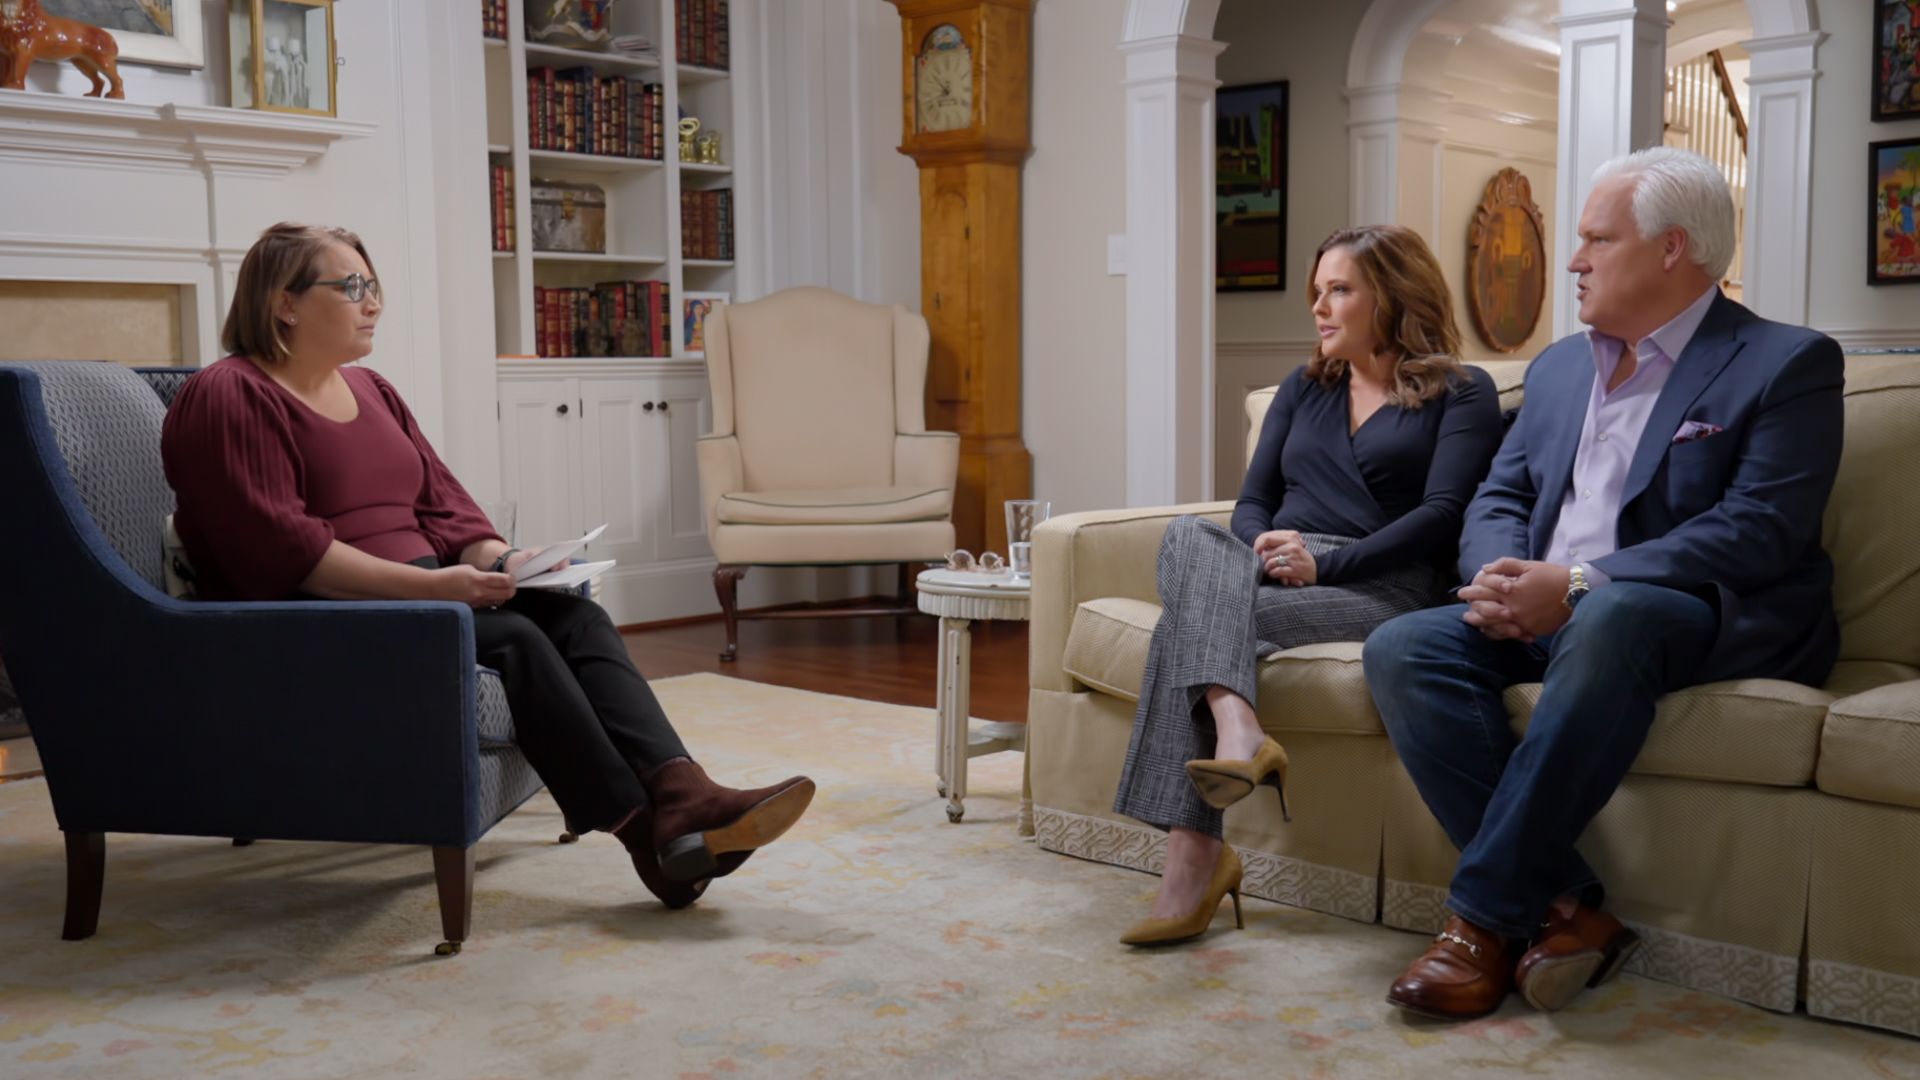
x: 1896, y: 63
x: 1250, y: 188
x: 1893, y: 244
x: 1506, y: 262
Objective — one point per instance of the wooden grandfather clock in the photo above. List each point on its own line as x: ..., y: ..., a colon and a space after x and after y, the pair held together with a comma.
x: 967, y: 74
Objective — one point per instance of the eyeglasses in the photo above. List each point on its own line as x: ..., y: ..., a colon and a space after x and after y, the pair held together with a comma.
x: 356, y: 287
x: 963, y: 561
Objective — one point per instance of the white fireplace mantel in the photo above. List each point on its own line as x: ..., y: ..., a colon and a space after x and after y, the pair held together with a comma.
x: 130, y: 134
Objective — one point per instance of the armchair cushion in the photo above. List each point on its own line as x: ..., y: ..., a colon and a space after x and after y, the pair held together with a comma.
x: 835, y: 506
x: 1870, y: 746
x: 492, y: 719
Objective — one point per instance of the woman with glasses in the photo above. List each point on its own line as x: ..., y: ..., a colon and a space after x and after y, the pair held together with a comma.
x: 1349, y: 515
x: 300, y: 475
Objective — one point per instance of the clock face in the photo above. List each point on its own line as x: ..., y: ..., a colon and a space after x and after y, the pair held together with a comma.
x: 944, y: 90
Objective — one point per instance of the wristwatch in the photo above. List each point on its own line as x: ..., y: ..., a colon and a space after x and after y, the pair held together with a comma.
x: 500, y: 564
x: 1576, y: 587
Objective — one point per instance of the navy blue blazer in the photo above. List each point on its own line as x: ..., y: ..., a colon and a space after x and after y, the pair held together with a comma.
x: 1733, y: 517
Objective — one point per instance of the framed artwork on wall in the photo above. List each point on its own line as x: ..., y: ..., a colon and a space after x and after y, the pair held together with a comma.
x: 1896, y: 63
x: 164, y: 33
x: 282, y: 55
x: 1250, y: 188
x: 694, y: 309
x: 1506, y: 262
x: 1893, y: 244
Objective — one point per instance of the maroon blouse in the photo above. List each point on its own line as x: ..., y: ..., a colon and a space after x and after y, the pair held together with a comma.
x: 265, y: 483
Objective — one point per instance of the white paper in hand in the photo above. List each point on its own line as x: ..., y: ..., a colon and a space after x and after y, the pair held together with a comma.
x: 568, y: 577
x: 547, y: 557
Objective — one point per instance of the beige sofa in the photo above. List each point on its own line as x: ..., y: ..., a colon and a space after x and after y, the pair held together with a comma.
x: 1766, y: 844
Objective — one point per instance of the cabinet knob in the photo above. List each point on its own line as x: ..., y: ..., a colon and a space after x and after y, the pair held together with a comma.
x: 646, y: 406
x: 663, y: 406
x: 562, y: 410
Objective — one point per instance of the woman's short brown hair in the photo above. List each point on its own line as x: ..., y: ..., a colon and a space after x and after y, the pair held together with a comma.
x: 286, y: 258
x: 1412, y: 311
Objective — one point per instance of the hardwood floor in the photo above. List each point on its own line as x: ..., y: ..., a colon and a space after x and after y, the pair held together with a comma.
x: 878, y: 659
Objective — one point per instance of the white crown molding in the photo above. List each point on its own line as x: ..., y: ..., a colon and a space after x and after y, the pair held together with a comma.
x: 96, y: 131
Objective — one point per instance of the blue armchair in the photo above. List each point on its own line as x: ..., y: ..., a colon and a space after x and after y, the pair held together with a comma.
x: 361, y: 721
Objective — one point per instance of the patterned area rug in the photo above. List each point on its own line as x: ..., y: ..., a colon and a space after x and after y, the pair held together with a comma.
x: 876, y: 940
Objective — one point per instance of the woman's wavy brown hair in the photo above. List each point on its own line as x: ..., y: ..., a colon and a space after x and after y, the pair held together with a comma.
x: 1412, y: 311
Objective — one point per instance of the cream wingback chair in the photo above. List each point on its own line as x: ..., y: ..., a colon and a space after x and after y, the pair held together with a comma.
x: 820, y: 453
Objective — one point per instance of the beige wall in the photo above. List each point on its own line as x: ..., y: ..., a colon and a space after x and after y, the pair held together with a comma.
x: 1307, y: 45
x: 1074, y: 332
x: 1839, y: 298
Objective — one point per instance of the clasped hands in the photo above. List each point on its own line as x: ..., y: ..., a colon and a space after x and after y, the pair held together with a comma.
x: 1284, y: 558
x: 1517, y: 599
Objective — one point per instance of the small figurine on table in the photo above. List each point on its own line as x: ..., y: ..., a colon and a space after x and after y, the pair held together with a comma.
x: 28, y: 33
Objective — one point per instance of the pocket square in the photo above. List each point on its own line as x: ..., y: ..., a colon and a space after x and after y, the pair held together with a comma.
x: 1695, y: 430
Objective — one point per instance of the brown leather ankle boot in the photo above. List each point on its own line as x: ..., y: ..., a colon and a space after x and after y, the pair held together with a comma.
x: 703, y: 830
x: 636, y: 835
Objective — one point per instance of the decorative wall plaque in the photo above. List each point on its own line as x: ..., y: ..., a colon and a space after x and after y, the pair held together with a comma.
x: 1506, y: 263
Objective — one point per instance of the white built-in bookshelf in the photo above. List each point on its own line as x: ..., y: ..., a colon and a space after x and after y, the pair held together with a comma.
x: 586, y: 440
x: 643, y: 196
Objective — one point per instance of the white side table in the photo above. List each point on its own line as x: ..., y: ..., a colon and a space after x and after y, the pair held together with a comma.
x: 959, y: 598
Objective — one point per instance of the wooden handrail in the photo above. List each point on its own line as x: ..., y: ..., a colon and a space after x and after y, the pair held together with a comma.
x: 1726, y: 91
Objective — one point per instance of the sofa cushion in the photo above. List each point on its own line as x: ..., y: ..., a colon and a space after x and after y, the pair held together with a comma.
x: 1749, y: 731
x: 1870, y: 746
x: 835, y: 506
x: 1852, y: 677
x: 1316, y: 688
x: 1874, y: 512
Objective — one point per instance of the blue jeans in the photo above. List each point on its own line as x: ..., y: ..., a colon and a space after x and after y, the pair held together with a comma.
x: 1515, y: 806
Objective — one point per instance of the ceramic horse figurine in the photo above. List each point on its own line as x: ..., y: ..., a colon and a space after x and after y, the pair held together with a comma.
x: 28, y: 33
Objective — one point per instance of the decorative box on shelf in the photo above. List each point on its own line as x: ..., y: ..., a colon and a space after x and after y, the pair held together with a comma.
x: 569, y: 216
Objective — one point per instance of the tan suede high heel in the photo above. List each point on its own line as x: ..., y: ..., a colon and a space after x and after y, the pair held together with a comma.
x: 1226, y: 882
x: 1225, y: 781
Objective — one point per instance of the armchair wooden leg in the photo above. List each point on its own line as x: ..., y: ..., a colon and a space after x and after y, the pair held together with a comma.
x: 86, y: 874
x: 453, y: 873
x: 726, y: 583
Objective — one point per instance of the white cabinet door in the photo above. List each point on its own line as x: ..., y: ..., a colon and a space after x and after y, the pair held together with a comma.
x: 539, y: 455
x: 619, y: 456
x: 683, y: 413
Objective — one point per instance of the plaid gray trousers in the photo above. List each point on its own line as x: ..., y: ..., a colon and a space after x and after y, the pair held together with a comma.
x: 1219, y: 616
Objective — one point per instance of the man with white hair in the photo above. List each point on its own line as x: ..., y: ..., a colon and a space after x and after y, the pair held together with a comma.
x: 1651, y: 522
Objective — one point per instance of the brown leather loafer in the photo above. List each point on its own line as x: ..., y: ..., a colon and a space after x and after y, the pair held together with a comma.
x: 636, y: 835
x: 1579, y: 947
x: 1464, y: 974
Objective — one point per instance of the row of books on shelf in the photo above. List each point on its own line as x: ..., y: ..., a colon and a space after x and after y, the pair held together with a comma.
x: 502, y: 188
x: 701, y: 29
x: 493, y: 18
x: 706, y: 224
x: 613, y: 318
x: 572, y: 111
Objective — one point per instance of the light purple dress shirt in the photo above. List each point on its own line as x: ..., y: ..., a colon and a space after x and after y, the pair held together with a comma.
x: 1590, y: 516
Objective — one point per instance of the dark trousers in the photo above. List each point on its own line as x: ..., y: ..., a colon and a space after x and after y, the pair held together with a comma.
x: 582, y: 713
x: 1515, y: 806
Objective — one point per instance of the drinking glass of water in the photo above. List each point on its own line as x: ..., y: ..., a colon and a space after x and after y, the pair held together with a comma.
x: 1022, y: 516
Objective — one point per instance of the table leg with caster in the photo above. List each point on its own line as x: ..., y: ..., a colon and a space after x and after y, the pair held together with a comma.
x: 940, y: 736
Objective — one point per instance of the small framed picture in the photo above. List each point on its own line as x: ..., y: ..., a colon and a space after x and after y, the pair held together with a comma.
x: 1896, y: 59
x: 164, y: 33
x: 1893, y: 243
x: 1250, y: 188
x: 694, y: 309
x: 283, y: 56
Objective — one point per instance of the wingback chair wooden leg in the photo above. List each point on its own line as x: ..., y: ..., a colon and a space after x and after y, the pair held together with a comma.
x: 453, y: 873
x: 726, y: 585
x: 86, y: 874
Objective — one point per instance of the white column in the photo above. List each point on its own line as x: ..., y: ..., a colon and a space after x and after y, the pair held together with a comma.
x: 1394, y: 132
x: 1780, y: 174
x: 1612, y: 82
x: 1170, y: 251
